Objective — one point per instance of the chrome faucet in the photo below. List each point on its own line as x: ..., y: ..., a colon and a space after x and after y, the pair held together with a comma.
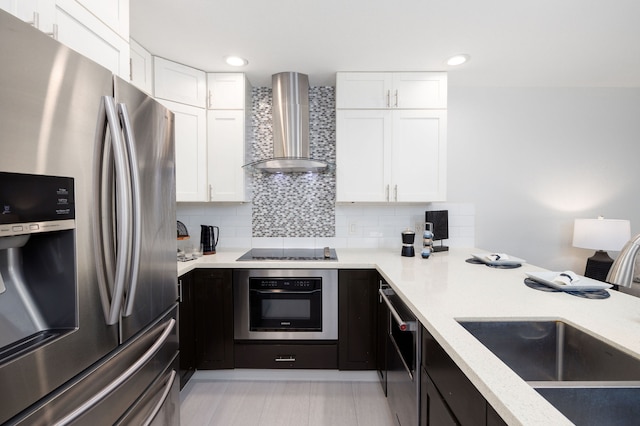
x: 621, y: 272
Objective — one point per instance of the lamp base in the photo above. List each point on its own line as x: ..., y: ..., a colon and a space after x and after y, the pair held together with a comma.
x: 598, y: 266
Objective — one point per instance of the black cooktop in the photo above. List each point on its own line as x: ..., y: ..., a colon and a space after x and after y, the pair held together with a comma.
x: 295, y: 254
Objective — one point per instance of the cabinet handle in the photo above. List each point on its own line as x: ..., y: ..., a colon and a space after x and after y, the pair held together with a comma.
x: 209, y: 101
x: 54, y: 32
x: 210, y: 192
x: 130, y: 69
x: 180, y: 291
x: 388, y: 98
x: 387, y: 192
x: 395, y: 193
x: 36, y: 21
x: 286, y: 358
x: 396, y: 105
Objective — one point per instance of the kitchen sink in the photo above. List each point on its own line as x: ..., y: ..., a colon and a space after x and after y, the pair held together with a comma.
x: 585, y: 378
x: 554, y: 351
x: 595, y: 404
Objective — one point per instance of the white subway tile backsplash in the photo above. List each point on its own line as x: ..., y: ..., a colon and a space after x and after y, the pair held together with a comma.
x: 374, y: 226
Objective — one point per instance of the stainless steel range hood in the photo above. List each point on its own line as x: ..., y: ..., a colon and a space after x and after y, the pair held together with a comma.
x: 290, y: 127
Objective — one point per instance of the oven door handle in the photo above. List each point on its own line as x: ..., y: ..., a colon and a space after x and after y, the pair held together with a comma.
x: 402, y: 324
x: 284, y: 292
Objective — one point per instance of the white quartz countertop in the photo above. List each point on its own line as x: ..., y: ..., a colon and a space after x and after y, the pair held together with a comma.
x: 445, y: 288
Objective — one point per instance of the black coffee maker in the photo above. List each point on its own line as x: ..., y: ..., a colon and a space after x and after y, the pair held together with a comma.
x: 209, y: 238
x: 408, y: 237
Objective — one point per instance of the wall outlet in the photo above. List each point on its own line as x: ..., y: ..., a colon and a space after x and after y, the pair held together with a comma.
x: 353, y: 228
x: 419, y: 228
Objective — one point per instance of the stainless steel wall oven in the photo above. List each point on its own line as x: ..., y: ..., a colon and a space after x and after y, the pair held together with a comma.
x: 286, y: 304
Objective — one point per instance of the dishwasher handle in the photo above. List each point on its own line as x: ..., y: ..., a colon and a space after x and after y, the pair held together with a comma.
x: 402, y: 324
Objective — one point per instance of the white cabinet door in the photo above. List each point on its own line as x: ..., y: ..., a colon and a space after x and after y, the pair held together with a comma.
x: 86, y: 34
x: 141, y: 72
x: 419, y: 90
x: 226, y: 154
x: 363, y: 90
x: 226, y: 91
x: 418, y: 156
x: 179, y: 83
x: 407, y: 90
x: 39, y: 13
x: 363, y: 166
x: 191, y: 151
x: 114, y: 13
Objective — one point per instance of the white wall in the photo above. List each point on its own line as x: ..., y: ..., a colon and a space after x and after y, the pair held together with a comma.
x: 532, y: 160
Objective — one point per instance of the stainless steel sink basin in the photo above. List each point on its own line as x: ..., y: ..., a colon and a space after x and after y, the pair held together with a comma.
x: 585, y: 378
x: 553, y: 350
x: 595, y: 405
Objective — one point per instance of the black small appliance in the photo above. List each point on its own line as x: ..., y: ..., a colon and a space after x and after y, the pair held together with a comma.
x: 408, y: 237
x: 209, y: 238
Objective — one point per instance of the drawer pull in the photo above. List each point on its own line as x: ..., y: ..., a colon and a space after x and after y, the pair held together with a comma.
x: 286, y: 358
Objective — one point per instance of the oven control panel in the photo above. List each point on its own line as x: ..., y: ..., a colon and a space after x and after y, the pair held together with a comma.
x: 294, y: 284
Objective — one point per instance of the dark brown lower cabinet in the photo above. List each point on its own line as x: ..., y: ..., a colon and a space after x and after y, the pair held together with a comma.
x: 213, y: 292
x: 433, y: 408
x: 265, y: 354
x: 357, y: 319
x: 186, y: 328
x: 448, y: 396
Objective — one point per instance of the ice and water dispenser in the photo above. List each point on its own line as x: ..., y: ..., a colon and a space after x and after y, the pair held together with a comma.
x: 37, y: 261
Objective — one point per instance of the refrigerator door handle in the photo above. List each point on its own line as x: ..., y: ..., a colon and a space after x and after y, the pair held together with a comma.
x: 136, y: 209
x: 163, y: 398
x: 112, y: 258
x: 129, y: 372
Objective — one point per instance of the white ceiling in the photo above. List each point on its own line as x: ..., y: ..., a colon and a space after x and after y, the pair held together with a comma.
x: 571, y: 43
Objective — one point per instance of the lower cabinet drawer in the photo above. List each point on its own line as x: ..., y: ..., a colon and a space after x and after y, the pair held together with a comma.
x: 274, y: 355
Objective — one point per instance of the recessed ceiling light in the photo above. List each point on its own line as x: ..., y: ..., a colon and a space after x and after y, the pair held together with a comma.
x: 458, y: 59
x: 236, y: 61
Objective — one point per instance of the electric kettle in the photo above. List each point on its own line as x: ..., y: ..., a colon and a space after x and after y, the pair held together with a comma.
x: 209, y: 238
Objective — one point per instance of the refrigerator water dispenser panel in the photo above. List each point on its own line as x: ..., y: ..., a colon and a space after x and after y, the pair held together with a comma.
x: 37, y: 265
x: 35, y: 203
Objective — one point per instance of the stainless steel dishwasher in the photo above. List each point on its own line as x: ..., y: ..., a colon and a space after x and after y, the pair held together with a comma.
x: 402, y: 359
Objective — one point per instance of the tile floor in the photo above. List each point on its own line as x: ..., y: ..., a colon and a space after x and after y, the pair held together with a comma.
x: 268, y: 398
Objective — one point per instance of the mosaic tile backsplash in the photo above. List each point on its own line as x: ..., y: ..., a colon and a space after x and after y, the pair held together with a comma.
x: 294, y: 204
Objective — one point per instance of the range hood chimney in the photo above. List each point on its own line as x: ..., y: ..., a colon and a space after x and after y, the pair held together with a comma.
x: 290, y: 127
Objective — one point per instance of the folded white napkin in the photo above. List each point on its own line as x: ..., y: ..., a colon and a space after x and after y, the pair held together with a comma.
x: 566, y: 278
x: 497, y: 256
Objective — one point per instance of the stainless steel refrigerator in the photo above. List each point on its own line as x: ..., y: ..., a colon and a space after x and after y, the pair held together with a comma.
x: 87, y: 241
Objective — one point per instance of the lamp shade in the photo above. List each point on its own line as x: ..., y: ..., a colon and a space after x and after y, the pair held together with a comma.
x: 601, y: 234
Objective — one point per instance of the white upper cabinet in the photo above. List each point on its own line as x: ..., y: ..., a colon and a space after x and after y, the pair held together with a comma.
x: 391, y: 148
x: 363, y: 171
x: 85, y: 33
x: 38, y: 13
x: 141, y: 67
x: 419, y: 156
x: 191, y: 151
x: 179, y: 83
x: 229, y: 102
x: 85, y: 26
x: 391, y: 156
x: 114, y: 13
x: 401, y: 90
x: 226, y: 154
x: 226, y: 90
